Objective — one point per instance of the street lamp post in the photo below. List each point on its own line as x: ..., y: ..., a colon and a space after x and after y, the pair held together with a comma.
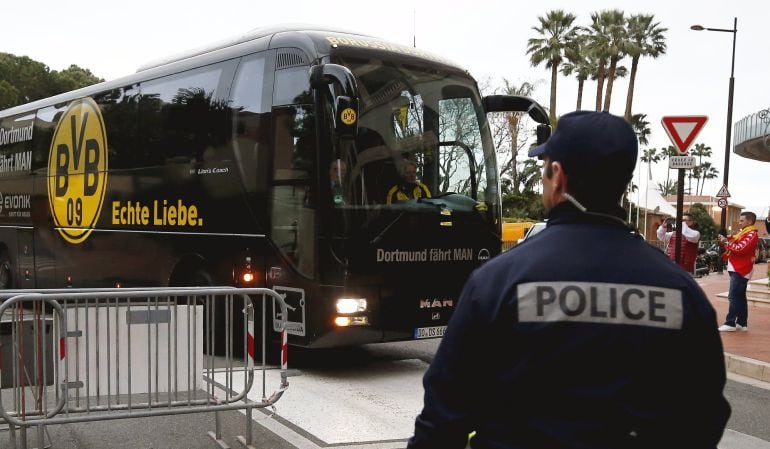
x: 728, y: 135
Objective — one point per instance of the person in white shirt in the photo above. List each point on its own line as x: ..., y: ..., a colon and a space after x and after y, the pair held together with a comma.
x: 689, y: 247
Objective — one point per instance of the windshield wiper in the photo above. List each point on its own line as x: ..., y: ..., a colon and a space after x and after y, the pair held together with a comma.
x: 385, y: 230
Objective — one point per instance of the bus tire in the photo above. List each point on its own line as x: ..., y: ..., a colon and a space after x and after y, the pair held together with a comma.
x: 201, y: 278
x: 188, y: 274
x: 6, y: 274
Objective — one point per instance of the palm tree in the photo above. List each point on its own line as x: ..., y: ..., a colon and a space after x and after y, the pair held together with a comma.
x: 615, y: 24
x: 669, y: 188
x: 666, y: 153
x: 700, y: 150
x: 642, y: 129
x: 557, y: 33
x: 531, y: 175
x: 645, y: 38
x: 579, y: 64
x: 650, y: 156
x: 598, y: 41
x: 513, y: 129
x: 694, y: 173
x: 707, y: 172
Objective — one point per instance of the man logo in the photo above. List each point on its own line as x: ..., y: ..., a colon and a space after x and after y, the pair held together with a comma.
x: 436, y: 303
x: 77, y: 170
x: 483, y: 254
x: 435, y: 316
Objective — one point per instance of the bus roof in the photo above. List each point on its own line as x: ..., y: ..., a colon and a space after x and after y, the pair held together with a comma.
x: 239, y: 39
x: 250, y: 42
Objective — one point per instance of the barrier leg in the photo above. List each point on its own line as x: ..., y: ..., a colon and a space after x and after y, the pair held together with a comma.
x: 217, y: 435
x: 41, y: 431
x: 246, y: 442
x: 12, y: 435
x: 23, y: 435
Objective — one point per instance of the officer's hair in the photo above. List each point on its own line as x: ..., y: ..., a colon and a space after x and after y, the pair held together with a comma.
x: 750, y: 215
x: 604, y: 186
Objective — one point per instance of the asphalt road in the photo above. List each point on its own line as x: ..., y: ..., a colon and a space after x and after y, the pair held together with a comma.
x: 372, y: 374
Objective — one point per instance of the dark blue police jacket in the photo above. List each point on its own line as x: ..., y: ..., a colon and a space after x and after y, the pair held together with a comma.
x: 583, y: 336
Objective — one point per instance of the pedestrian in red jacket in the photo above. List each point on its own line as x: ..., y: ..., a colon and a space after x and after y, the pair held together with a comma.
x: 739, y: 251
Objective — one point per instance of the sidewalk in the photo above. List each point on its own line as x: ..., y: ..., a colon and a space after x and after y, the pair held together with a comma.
x: 746, y: 353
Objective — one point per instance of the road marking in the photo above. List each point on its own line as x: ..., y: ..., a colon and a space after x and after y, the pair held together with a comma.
x: 736, y: 440
x: 328, y: 405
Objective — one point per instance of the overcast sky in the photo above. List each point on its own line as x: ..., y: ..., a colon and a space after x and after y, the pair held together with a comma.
x: 487, y: 37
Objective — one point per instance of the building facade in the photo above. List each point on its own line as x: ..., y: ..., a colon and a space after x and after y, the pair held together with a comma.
x: 733, y: 210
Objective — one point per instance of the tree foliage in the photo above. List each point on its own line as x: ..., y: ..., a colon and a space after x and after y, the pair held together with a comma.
x: 645, y: 38
x: 555, y: 36
x: 641, y: 128
x: 595, y: 51
x: 23, y: 80
x: 706, y: 225
x: 512, y: 134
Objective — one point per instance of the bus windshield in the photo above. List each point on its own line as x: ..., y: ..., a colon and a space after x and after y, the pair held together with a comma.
x: 422, y: 134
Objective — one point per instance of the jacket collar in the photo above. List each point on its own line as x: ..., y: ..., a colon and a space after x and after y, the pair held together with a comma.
x: 566, y: 212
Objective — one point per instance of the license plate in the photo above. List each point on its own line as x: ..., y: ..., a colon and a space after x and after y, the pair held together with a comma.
x: 429, y: 332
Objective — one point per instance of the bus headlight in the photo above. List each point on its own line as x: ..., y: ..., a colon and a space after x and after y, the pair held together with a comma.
x: 351, y: 305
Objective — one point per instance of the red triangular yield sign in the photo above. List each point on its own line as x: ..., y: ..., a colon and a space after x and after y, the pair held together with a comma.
x: 683, y: 129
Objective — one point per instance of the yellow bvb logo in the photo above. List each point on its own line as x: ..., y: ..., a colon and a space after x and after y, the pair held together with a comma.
x: 77, y: 170
x: 348, y: 116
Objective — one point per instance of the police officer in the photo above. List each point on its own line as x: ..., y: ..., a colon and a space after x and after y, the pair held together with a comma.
x: 583, y: 336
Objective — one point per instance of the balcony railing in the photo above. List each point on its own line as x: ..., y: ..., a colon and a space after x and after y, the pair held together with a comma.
x: 752, y: 127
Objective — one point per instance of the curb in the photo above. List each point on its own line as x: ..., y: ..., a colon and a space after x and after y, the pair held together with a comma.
x: 755, y: 369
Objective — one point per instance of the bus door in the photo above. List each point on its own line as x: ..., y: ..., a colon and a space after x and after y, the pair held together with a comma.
x: 291, y: 268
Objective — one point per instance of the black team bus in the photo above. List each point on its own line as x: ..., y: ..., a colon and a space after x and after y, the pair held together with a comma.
x: 355, y: 176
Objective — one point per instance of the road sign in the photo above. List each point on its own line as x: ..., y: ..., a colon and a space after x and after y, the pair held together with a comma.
x: 683, y: 129
x: 723, y: 193
x: 681, y: 162
x: 722, y: 202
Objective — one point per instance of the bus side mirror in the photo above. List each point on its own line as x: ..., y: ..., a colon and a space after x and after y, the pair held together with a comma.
x: 345, y: 104
x: 520, y: 103
x: 516, y: 103
x: 323, y: 74
x: 543, y: 133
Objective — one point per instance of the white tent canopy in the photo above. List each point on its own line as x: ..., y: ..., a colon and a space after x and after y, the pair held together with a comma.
x: 653, y: 201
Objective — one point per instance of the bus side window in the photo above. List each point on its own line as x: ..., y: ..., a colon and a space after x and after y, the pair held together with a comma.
x: 121, y: 117
x: 182, y: 115
x: 45, y: 125
x: 251, y: 123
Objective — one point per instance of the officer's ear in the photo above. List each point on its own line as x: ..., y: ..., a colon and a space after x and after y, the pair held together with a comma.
x: 557, y: 178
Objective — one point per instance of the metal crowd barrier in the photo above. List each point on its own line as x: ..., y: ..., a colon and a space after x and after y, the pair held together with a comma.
x: 83, y: 355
